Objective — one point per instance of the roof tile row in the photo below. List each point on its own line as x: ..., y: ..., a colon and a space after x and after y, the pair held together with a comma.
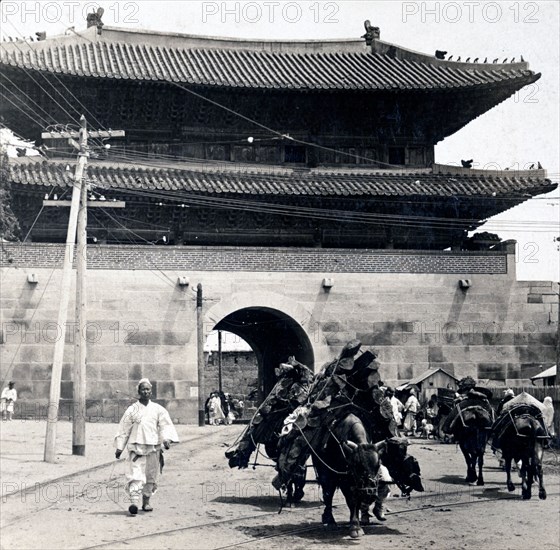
x: 29, y: 171
x: 252, y: 69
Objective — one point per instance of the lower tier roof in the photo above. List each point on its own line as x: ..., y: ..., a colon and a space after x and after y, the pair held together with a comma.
x: 440, y: 181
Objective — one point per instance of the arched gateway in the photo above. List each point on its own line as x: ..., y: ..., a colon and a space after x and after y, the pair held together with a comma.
x: 274, y: 327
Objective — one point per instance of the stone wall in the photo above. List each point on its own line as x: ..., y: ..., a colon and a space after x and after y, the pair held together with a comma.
x: 240, y: 372
x: 142, y: 323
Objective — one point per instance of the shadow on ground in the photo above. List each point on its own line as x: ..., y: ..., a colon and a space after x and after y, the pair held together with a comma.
x: 315, y: 532
x: 264, y: 502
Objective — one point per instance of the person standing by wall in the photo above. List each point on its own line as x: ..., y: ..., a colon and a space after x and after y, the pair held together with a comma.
x: 411, y: 408
x: 8, y: 399
x: 397, y: 406
x: 548, y: 417
x: 143, y: 429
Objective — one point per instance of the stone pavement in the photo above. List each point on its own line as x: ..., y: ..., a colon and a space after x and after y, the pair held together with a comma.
x: 22, y: 446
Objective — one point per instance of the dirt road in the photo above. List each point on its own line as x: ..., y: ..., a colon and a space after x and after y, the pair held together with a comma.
x: 202, y: 504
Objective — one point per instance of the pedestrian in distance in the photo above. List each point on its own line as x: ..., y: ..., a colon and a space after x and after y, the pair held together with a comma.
x: 548, y: 417
x: 144, y: 428
x: 411, y: 408
x: 508, y: 396
x: 7, y: 401
x: 396, y: 405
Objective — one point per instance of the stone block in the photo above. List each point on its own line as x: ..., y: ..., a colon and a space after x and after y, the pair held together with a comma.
x: 183, y: 388
x: 389, y: 371
x: 530, y: 369
x: 435, y: 354
x: 405, y: 372
x: 144, y: 338
x: 332, y: 326
x: 67, y: 390
x: 19, y: 372
x: 113, y: 372
x: 493, y: 371
x: 160, y: 371
x: 92, y: 371
x: 166, y: 389
x: 102, y: 389
x: 183, y: 410
x: 339, y: 339
x: 94, y: 409
x: 67, y: 371
x: 40, y: 371
x: 30, y: 354
x: 513, y: 370
x: 135, y: 372
x: 25, y: 390
x: 40, y: 389
x: 174, y: 338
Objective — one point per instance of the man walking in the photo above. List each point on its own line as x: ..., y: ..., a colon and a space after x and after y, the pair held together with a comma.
x: 9, y: 397
x: 143, y: 429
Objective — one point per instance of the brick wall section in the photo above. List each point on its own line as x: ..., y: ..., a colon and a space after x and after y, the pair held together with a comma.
x: 259, y: 259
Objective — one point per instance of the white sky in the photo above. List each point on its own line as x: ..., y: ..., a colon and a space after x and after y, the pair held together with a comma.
x: 521, y: 131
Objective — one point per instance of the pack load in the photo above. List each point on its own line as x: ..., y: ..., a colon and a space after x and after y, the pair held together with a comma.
x: 512, y: 419
x: 471, y: 408
x: 348, y: 384
x: 290, y: 391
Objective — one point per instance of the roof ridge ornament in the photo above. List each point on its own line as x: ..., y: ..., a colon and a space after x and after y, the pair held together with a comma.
x: 372, y: 33
x: 94, y: 19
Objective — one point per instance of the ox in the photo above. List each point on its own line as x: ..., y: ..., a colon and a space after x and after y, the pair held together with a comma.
x: 348, y: 462
x: 520, y: 433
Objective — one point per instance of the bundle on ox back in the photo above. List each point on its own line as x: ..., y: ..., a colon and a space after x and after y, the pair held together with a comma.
x: 470, y: 423
x: 290, y: 391
x: 520, y: 433
x: 344, y: 427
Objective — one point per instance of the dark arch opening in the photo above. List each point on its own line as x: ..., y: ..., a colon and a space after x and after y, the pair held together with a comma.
x: 273, y: 336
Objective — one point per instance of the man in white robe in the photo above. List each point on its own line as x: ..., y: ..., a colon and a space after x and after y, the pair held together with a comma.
x: 143, y: 429
x: 9, y: 397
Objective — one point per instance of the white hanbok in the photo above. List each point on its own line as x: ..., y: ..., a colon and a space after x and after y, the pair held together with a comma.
x: 142, y: 430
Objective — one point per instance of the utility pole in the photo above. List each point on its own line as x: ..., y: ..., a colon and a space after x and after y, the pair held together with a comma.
x: 77, y: 210
x: 80, y: 327
x: 220, y: 360
x: 200, y: 354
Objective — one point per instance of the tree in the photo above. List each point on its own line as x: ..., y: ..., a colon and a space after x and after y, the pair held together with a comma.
x: 9, y: 225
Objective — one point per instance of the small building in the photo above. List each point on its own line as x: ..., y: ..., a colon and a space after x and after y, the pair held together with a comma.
x: 548, y: 377
x: 428, y: 383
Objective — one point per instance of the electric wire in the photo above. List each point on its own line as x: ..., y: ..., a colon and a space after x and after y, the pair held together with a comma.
x: 56, y: 78
x: 128, y: 232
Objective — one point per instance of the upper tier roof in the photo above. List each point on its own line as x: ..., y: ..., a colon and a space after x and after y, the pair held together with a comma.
x: 441, y: 181
x: 225, y: 62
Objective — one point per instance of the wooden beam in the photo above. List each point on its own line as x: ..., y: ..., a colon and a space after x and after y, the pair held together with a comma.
x: 90, y: 204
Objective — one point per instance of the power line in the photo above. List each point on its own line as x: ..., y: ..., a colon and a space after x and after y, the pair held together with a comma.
x: 61, y: 83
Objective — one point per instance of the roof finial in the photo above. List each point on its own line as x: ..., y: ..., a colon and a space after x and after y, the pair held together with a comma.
x: 372, y: 33
x: 94, y: 19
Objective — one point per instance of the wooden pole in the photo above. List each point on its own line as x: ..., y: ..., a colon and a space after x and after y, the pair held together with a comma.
x: 56, y: 374
x: 80, y: 336
x: 200, y: 355
x: 220, y: 360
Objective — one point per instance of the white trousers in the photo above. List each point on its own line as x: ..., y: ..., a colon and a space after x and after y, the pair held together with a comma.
x: 142, y: 475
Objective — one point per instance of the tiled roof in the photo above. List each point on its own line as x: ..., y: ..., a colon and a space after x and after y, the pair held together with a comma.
x: 313, y: 183
x: 258, y: 69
